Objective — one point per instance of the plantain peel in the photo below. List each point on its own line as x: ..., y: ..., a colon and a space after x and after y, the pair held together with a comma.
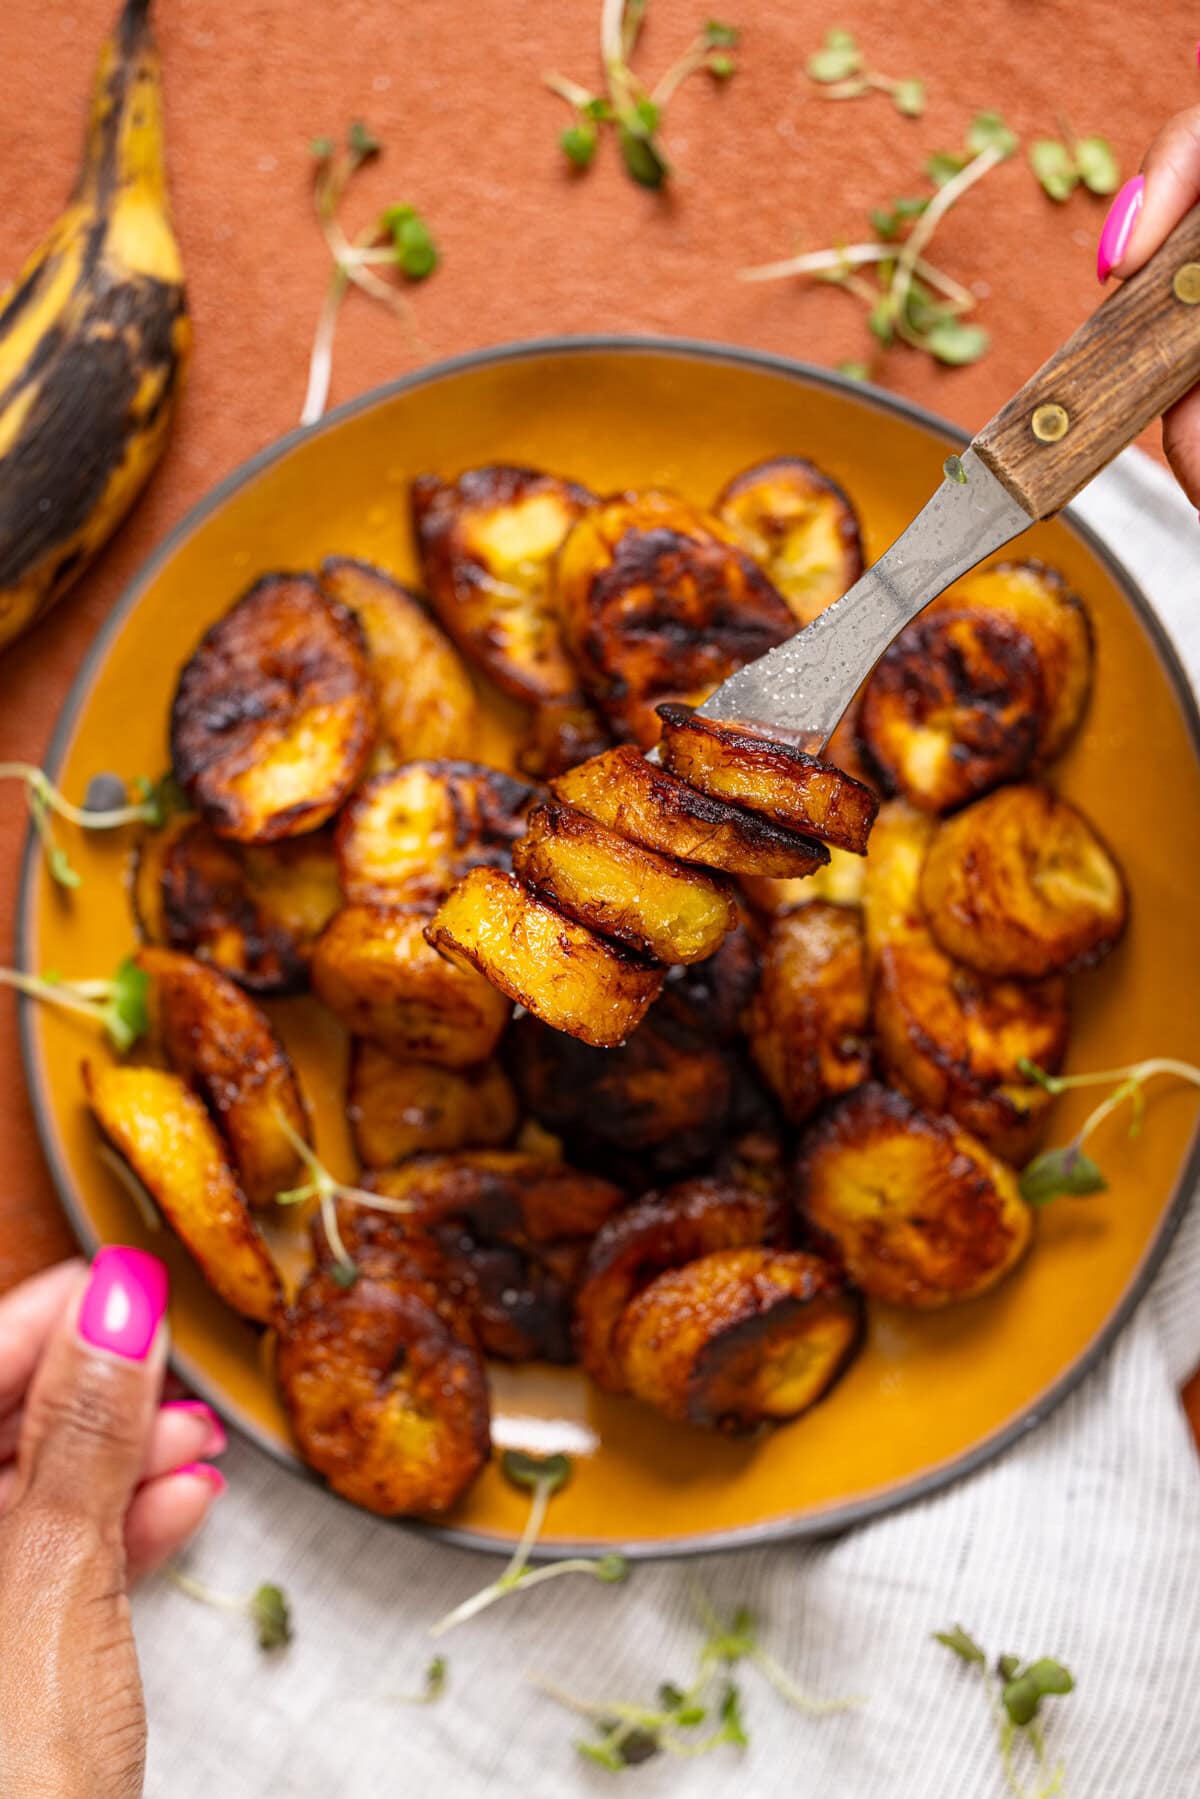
x: 94, y: 336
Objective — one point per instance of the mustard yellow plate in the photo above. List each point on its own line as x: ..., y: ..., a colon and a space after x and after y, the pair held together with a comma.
x: 931, y: 1396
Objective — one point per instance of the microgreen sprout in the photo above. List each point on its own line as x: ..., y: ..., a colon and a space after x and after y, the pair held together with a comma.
x: 695, y: 1719
x: 267, y: 1607
x: 840, y: 69
x: 1063, y: 165
x: 909, y: 300
x: 1067, y: 1170
x: 634, y: 111
x: 1015, y: 1691
x: 107, y: 806
x: 120, y: 1006
x: 541, y: 1477
x: 327, y: 1190
x: 953, y: 470
x: 398, y: 241
x: 433, y: 1684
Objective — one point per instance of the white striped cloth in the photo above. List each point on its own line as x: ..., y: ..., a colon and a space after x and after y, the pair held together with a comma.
x: 1084, y: 1543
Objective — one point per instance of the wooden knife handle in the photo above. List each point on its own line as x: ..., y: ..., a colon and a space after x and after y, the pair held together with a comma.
x: 1139, y: 352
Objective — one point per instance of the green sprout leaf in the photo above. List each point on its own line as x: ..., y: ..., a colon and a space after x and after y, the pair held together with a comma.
x: 854, y: 371
x: 1059, y: 1172
x: 730, y: 1714
x: 162, y: 799
x: 61, y: 870
x: 529, y: 1472
x: 1008, y: 1666
x: 944, y: 165
x: 988, y: 131
x: 127, y: 1011
x: 953, y: 470
x: 837, y: 59
x: 956, y: 342
x: 362, y: 142
x: 643, y: 160
x: 908, y: 97
x: 1097, y: 163
x: 721, y: 66
x: 272, y: 1616
x: 719, y: 36
x: 321, y: 148
x: 1054, y: 167
x: 962, y: 1645
x: 416, y: 252
x: 345, y: 1273
x: 578, y: 143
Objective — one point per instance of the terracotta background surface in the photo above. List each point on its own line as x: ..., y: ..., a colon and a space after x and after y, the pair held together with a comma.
x: 452, y: 87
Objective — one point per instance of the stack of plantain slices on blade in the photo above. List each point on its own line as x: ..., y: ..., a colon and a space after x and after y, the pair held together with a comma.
x: 94, y: 336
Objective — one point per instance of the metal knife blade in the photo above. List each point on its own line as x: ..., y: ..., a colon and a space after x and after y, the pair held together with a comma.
x: 803, y: 686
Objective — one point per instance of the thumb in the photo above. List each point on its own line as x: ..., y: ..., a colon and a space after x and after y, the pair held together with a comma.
x: 93, y: 1400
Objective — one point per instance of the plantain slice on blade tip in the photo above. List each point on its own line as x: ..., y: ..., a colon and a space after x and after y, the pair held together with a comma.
x: 94, y: 336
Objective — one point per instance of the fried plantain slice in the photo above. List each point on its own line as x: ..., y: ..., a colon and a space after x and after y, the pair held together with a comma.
x: 427, y: 703
x: 658, y: 602
x: 487, y: 542
x: 799, y: 527
x: 810, y: 1022
x: 386, y: 1395
x: 374, y: 969
x: 407, y: 835
x: 252, y: 910
x: 398, y: 1108
x: 560, y: 971
x: 841, y: 883
x: 952, y: 708
x: 513, y: 1230
x: 921, y: 1213
x: 654, y: 905
x: 561, y: 733
x: 647, y: 805
x: 662, y: 1231
x: 745, y: 766
x: 706, y: 1002
x: 953, y: 1039
x: 274, y: 716
x: 161, y: 1129
x: 1020, y: 884
x: 740, y: 1338
x: 648, y: 1111
x: 224, y: 1045
x: 1038, y: 602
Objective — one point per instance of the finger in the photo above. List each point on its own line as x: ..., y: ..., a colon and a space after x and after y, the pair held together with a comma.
x: 1181, y: 441
x: 166, y: 1512
x: 27, y: 1316
x: 1170, y: 187
x: 93, y: 1400
x: 186, y: 1430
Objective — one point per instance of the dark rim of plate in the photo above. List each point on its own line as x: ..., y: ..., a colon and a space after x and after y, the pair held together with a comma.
x: 831, y: 1519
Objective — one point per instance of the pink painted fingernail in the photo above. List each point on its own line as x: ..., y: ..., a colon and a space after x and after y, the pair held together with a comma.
x: 124, y: 1302
x: 1118, y: 227
x: 216, y: 1440
x: 202, y: 1471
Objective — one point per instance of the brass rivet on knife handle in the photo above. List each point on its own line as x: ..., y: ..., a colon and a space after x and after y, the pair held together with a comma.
x: 1187, y: 284
x: 1050, y: 423
x: 1136, y: 355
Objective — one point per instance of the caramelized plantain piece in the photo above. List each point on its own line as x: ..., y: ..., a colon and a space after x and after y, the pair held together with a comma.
x: 663, y: 910
x: 161, y: 1129
x: 407, y: 835
x: 226, y: 1048
x: 659, y: 602
x: 399, y: 1108
x: 274, y: 715
x: 921, y: 1213
x: 799, y: 526
x: 809, y: 1023
x: 1037, y: 601
x: 841, y: 883
x: 706, y: 1002
x: 952, y: 708
x: 662, y: 1231
x: 952, y: 1038
x: 647, y: 805
x: 560, y: 971
x: 487, y: 543
x: 1019, y: 884
x: 740, y: 1338
x: 384, y: 1390
x: 252, y: 910
x: 561, y: 733
x: 651, y: 1110
x: 513, y: 1230
x: 740, y: 764
x: 374, y: 969
x: 427, y: 704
